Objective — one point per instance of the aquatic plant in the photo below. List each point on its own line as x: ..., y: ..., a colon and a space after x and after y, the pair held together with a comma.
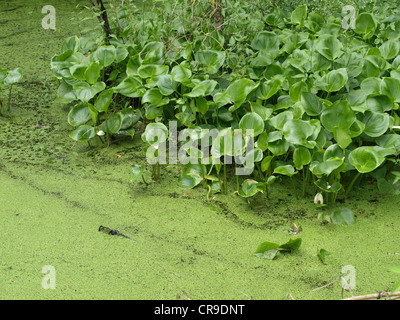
x: 321, y: 100
x: 9, y: 78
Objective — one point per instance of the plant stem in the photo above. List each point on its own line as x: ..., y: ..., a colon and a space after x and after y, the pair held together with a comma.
x: 225, y: 181
x: 145, y: 182
x: 294, y: 188
x: 351, y: 184
x: 9, y: 99
x: 237, y: 179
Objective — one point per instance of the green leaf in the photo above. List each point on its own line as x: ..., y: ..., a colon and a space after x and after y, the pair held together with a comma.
x: 71, y: 44
x: 287, y: 170
x: 154, y: 97
x: 297, y: 131
x: 13, y: 76
x: 212, y: 59
x: 366, y: 24
x: 343, y: 216
x: 83, y: 133
x: 267, y: 250
x: 376, y: 123
x: 155, y: 133
x: 265, y: 40
x: 249, y: 188
x: 299, y: 15
x: 291, y: 245
x: 84, y: 91
x: 137, y: 172
x: 181, y: 74
x: 329, y: 46
x: 311, y: 103
x: 366, y: 159
x: 113, y: 124
x: 252, y: 121
x: 92, y: 72
x: 342, y: 137
x: 79, y: 114
x: 372, y: 86
x: 334, y: 80
x: 103, y: 100
x: 152, y: 53
x: 322, y: 254
x: 301, y: 157
x: 131, y: 87
x: 391, y: 87
x: 204, y: 88
x: 105, y: 55
x: 238, y: 91
x: 339, y: 114
x: 150, y: 70
x: 268, y: 88
x: 266, y: 163
x: 390, y: 49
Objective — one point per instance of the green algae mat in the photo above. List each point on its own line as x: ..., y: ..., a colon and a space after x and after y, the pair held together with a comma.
x: 55, y: 194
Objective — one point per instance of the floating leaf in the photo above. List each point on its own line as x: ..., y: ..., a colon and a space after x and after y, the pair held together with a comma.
x: 322, y: 254
x: 343, y: 216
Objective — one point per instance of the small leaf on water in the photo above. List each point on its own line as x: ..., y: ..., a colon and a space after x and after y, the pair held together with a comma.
x: 322, y: 253
x: 291, y: 245
x: 267, y: 250
x: 343, y: 216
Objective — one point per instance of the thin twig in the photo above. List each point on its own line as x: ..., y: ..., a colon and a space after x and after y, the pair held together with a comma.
x: 379, y: 295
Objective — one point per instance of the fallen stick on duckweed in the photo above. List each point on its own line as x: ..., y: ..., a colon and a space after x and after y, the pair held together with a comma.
x: 379, y: 295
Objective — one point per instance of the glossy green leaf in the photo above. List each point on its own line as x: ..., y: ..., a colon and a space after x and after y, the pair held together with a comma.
x: 238, y: 91
x: 329, y: 46
x: 265, y: 40
x: 84, y: 91
x: 105, y: 55
x: 267, y: 250
x: 83, y: 133
x: 366, y: 159
x: 154, y: 97
x: 112, y: 125
x: 339, y: 114
x: 79, y: 114
x: 151, y: 70
x: 212, y: 59
x: 103, y: 100
x: 252, y: 121
x: 130, y: 87
x: 291, y: 245
x: 334, y: 80
x: 92, y: 72
x: 311, y: 104
x: 376, y: 123
x: 301, y: 157
x: 299, y: 15
x: 286, y: 170
x: 366, y: 24
x: 249, y: 188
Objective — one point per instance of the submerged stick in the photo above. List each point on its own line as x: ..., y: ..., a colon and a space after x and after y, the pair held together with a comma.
x: 114, y: 232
